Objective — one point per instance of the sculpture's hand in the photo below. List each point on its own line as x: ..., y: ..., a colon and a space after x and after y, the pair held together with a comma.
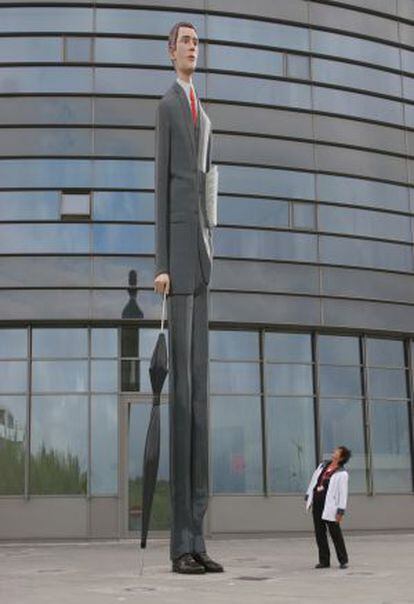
x: 162, y: 283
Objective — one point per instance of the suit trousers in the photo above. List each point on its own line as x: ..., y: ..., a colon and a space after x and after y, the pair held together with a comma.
x: 188, y: 347
x: 335, y: 531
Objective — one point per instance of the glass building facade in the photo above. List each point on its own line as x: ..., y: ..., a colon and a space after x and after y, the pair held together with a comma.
x: 312, y: 298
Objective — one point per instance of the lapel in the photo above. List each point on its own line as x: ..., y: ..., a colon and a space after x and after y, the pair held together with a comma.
x: 186, y: 111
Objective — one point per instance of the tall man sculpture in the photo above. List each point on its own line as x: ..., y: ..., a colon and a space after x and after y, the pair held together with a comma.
x: 183, y: 267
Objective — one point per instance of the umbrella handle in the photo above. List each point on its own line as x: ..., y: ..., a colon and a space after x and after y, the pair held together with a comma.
x: 164, y: 297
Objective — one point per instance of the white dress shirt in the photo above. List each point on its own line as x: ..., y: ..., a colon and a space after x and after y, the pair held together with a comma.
x: 187, y: 87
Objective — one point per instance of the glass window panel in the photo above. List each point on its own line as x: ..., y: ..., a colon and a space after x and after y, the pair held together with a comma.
x: 143, y: 52
x: 122, y: 174
x: 232, y: 378
x: 115, y: 271
x: 138, y: 419
x: 267, y: 181
x: 28, y: 19
x: 356, y: 76
x: 342, y: 424
x: 104, y: 342
x: 123, y: 239
x: 408, y: 88
x: 236, y: 444
x: 234, y: 345
x: 339, y: 381
x: 60, y: 342
x: 390, y: 447
x: 355, y: 48
x: 78, y: 49
x: 250, y: 31
x: 126, y: 80
x: 123, y: 205
x: 46, y: 110
x: 245, y: 59
x: 46, y: 79
x: 266, y: 245
x: 147, y: 22
x: 362, y: 192
x: 303, y: 215
x: 30, y: 50
x: 135, y: 377
x: 29, y: 205
x: 387, y: 383
x: 289, y: 379
x: 13, y: 343
x: 253, y: 211
x: 60, y: 376
x: 298, y: 67
x: 357, y: 105
x: 13, y: 442
x: 42, y: 173
x: 339, y: 350
x: 357, y: 252
x: 44, y: 239
x: 13, y: 376
x: 264, y: 92
x: 104, y: 445
x: 291, y: 443
x: 288, y: 347
x: 364, y: 223
x: 104, y: 376
x: 407, y: 60
x: 59, y: 445
x: 385, y: 353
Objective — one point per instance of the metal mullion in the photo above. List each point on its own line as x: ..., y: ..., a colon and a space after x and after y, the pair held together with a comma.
x: 263, y: 402
x: 410, y: 391
x: 89, y: 431
x: 366, y: 417
x: 316, y: 395
x: 28, y: 415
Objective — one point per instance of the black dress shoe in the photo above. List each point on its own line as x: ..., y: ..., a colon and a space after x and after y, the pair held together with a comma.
x: 207, y: 563
x: 322, y: 565
x: 343, y: 566
x: 186, y: 565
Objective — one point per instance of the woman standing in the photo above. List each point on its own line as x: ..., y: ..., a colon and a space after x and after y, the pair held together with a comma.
x: 327, y: 494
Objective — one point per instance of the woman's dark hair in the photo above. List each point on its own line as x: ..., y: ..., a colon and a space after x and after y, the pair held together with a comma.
x: 346, y: 455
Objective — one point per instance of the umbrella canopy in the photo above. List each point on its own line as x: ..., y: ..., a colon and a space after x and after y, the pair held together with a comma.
x: 158, y: 372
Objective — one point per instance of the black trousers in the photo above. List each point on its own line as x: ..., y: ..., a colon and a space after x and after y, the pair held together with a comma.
x: 321, y: 527
x: 188, y: 340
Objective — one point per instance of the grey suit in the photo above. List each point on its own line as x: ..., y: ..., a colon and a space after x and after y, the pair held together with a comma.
x: 183, y: 250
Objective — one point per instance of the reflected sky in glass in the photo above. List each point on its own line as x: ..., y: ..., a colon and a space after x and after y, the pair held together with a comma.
x: 13, y: 376
x: 104, y: 443
x: 60, y: 376
x: 13, y: 343
x: 60, y: 342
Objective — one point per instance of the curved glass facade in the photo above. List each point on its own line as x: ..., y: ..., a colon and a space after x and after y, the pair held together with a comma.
x: 312, y: 303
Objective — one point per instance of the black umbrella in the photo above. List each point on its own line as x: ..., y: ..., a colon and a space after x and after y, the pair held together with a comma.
x: 158, y: 372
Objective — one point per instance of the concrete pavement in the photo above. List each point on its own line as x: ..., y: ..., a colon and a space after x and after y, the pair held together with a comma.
x: 277, y: 570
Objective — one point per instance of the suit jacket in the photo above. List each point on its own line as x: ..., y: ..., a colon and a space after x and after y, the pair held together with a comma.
x: 182, y: 156
x: 336, y: 495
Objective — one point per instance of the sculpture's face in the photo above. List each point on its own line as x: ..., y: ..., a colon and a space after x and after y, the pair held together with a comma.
x: 337, y: 455
x: 185, y: 54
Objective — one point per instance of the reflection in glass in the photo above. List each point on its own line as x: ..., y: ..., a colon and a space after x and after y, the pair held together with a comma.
x: 231, y: 378
x: 253, y: 211
x: 59, y: 445
x: 286, y: 184
x: 360, y: 252
x: 340, y: 381
x: 13, y: 343
x: 13, y: 376
x: 236, y: 444
x: 143, y: 52
x: 138, y: 418
x: 60, y: 342
x: 147, y: 22
x: 54, y: 79
x: 390, y: 447
x: 123, y: 239
x: 123, y: 205
x: 30, y: 50
x: 12, y: 444
x: 266, y: 245
x: 342, y: 424
x: 135, y: 377
x: 288, y: 347
x: 104, y: 376
x: 245, y: 59
x: 29, y: 205
x: 385, y: 353
x: 387, y: 383
x: 104, y: 445
x: 338, y: 350
x: 104, y: 342
x: 60, y: 376
x: 291, y: 445
x: 41, y: 19
x: 44, y: 239
x: 289, y: 379
x: 234, y: 345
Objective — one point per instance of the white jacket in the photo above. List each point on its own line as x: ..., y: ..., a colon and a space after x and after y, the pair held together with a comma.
x: 336, y: 496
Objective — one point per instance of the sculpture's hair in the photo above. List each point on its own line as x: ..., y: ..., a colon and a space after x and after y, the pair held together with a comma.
x: 346, y: 455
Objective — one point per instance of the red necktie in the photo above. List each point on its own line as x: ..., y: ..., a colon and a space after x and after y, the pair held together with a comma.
x: 193, y: 105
